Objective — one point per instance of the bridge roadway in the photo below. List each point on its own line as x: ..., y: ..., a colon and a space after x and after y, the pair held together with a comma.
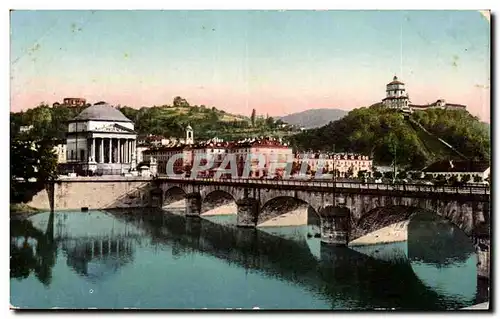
x: 330, y: 186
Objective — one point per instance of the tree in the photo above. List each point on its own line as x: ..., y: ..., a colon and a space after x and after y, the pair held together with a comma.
x: 180, y: 102
x: 428, y: 177
x: 389, y: 175
x: 416, y: 175
x: 361, y: 174
x: 252, y: 117
x: 440, y: 180
x: 295, y: 168
x: 466, y: 178
x: 30, y: 160
x: 337, y: 172
x: 377, y: 174
x: 350, y: 172
x: 402, y: 175
x: 453, y: 180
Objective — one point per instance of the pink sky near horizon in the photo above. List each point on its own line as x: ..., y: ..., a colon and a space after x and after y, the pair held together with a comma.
x: 274, y: 103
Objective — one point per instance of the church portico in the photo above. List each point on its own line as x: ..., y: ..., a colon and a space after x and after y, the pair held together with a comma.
x: 101, y: 140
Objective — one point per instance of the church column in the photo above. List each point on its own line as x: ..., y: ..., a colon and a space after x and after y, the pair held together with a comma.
x: 118, y: 150
x: 110, y: 153
x: 133, y: 146
x: 101, y: 151
x: 130, y: 148
x: 93, y: 150
x: 127, y: 151
x: 122, y: 151
x: 124, y: 156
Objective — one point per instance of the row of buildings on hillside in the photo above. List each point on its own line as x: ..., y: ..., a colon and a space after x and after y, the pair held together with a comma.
x: 397, y: 98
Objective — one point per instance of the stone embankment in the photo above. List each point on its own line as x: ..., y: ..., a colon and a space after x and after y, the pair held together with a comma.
x: 104, y: 192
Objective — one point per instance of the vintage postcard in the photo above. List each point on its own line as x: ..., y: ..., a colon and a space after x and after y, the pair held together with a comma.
x: 266, y: 160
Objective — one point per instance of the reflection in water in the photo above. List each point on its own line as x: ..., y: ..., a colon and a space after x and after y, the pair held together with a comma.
x: 441, y: 253
x: 32, y: 250
x: 157, y: 260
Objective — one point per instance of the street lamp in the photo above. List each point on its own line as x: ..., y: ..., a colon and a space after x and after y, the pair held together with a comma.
x: 334, y: 172
x: 394, y: 164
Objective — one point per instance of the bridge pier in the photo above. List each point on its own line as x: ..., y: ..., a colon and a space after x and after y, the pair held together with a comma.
x: 334, y: 230
x: 193, y: 204
x: 248, y: 212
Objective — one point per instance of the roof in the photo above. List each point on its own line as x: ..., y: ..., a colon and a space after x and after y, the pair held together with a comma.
x: 395, y: 81
x: 420, y: 106
x: 103, y: 112
x: 395, y: 98
x: 457, y: 166
x: 455, y: 105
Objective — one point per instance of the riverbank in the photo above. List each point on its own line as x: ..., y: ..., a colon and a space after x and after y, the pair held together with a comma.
x: 21, y: 211
x: 227, y: 209
x: 481, y: 306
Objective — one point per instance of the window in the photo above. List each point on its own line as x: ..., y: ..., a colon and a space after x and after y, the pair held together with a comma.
x: 71, y: 157
x: 82, y: 154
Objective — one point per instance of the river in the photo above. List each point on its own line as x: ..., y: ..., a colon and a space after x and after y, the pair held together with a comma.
x: 159, y: 260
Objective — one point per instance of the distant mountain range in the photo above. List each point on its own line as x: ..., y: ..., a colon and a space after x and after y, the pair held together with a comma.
x: 314, y: 118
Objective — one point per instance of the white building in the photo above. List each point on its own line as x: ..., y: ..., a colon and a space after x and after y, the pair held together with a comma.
x: 459, y: 169
x: 341, y: 164
x: 102, y: 140
x: 396, y: 96
x: 139, y: 151
x: 161, y: 154
x: 273, y: 151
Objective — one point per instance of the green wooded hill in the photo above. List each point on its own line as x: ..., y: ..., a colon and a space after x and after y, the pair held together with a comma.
x: 165, y: 120
x: 382, y: 132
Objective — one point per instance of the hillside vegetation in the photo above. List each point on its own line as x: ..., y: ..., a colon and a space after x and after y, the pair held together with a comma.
x: 382, y: 132
x: 165, y: 120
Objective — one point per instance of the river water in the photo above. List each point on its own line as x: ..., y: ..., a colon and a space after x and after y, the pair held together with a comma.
x: 159, y: 260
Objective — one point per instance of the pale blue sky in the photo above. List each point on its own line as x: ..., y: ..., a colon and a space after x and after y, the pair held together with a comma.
x: 276, y: 62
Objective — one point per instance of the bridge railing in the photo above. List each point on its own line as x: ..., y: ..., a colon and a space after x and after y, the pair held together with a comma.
x: 359, y: 185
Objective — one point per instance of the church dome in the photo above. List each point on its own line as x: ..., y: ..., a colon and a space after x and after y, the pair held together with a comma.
x: 395, y: 81
x: 102, y: 111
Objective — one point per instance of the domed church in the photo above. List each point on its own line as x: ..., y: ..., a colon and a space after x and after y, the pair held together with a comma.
x: 101, y: 140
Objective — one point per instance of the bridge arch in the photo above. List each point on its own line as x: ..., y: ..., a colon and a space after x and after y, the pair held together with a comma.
x: 380, y: 213
x: 174, y: 197
x: 430, y: 238
x: 221, y: 199
x: 295, y: 212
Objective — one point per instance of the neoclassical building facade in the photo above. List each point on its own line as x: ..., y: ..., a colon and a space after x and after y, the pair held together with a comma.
x: 101, y: 140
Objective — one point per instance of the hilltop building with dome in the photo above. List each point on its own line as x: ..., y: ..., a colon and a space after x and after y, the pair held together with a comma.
x: 396, y: 95
x: 397, y: 98
x: 101, y: 140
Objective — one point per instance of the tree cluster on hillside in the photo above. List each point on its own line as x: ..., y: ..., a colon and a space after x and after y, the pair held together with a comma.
x: 382, y: 133
x: 30, y: 160
x: 165, y: 120
x: 459, y: 129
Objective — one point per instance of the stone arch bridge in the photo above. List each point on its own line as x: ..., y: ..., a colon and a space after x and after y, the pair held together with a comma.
x: 347, y: 211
